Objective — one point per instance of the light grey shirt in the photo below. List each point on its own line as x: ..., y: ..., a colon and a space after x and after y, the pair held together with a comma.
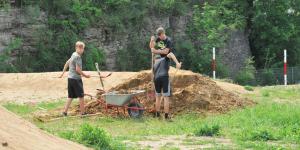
x: 161, y: 67
x: 75, y: 60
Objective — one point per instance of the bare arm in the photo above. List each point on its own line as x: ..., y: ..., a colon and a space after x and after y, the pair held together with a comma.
x: 152, y: 42
x: 79, y: 71
x: 173, y: 57
x: 164, y: 51
x: 66, y: 66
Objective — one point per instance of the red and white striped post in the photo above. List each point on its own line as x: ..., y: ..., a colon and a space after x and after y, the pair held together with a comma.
x: 214, y: 63
x: 285, y: 67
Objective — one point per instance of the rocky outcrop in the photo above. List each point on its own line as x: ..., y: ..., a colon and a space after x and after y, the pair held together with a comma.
x: 104, y: 38
x: 236, y: 51
x: 23, y: 24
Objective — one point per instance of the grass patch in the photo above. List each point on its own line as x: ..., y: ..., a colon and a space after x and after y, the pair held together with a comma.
x: 94, y: 137
x: 206, y: 130
x: 253, y: 127
x: 249, y: 88
x: 27, y: 109
x: 264, y: 135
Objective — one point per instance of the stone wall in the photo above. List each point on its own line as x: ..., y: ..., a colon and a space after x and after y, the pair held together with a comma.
x: 235, y: 52
x: 23, y: 24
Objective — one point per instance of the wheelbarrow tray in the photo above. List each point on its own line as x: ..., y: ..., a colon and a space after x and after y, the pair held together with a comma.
x: 118, y: 99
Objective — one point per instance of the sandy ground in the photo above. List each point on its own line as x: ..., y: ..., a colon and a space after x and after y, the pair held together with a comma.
x: 18, y: 134
x: 233, y: 88
x: 37, y: 87
x: 182, y: 142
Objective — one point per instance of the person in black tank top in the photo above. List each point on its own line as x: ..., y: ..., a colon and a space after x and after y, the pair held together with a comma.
x: 162, y: 47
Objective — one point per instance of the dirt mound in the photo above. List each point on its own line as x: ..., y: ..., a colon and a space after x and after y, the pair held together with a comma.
x: 191, y: 92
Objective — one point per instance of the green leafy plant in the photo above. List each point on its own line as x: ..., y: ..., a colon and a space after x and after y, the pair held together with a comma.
x: 263, y: 135
x: 206, y: 130
x: 247, y: 75
x: 249, y: 88
x: 5, y: 56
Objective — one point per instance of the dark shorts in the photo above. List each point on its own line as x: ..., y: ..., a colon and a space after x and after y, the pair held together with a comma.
x: 75, y: 88
x: 162, y: 86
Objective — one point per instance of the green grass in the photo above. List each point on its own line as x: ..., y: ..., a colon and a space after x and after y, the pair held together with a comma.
x: 249, y: 88
x: 26, y: 110
x: 94, y: 137
x: 206, y: 130
x: 273, y: 123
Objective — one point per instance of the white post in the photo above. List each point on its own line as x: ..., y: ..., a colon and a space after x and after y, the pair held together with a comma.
x: 214, y: 63
x: 285, y: 67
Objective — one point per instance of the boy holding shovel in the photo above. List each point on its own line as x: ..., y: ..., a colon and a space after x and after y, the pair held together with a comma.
x: 162, y: 56
x: 75, y: 85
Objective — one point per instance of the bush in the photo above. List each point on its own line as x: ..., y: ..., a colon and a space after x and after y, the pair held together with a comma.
x: 268, y: 77
x: 136, y: 56
x: 249, y: 88
x: 5, y: 60
x: 94, y: 137
x: 206, y: 130
x: 93, y: 55
x: 247, y: 75
x: 263, y: 135
x: 186, y: 53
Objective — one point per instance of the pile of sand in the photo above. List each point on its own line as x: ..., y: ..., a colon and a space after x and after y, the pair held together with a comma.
x: 191, y: 92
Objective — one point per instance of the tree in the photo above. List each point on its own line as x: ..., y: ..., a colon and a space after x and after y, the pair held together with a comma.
x: 275, y: 27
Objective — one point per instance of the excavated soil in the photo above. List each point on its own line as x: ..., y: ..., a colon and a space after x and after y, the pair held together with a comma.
x: 191, y: 92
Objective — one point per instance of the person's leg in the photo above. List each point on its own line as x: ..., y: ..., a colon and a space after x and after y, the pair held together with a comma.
x: 158, y: 97
x: 81, y: 104
x: 71, y: 94
x: 166, y: 96
x: 68, y: 103
x: 157, y: 105
x: 166, y: 104
x: 80, y: 95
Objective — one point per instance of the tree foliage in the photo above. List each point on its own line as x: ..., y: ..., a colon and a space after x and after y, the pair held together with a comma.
x: 275, y: 27
x: 272, y: 27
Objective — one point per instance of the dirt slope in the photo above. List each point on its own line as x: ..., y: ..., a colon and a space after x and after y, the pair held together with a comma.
x: 18, y: 134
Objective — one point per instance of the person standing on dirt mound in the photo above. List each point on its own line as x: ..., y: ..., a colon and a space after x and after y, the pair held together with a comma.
x: 162, y: 49
x: 75, y: 85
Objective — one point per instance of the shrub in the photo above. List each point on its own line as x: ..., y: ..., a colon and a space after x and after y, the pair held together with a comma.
x: 94, y: 137
x: 206, y: 130
x: 268, y: 77
x: 246, y: 75
x: 249, y: 88
x: 263, y: 135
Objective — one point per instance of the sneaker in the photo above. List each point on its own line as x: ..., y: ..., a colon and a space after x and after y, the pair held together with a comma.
x: 83, y: 114
x: 156, y: 115
x: 168, y: 118
x: 64, y: 114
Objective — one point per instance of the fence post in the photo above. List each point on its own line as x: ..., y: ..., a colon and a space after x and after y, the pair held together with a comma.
x: 293, y: 75
x: 285, y: 67
x: 214, y: 63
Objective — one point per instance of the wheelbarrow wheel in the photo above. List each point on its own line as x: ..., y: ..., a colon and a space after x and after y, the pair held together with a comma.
x: 135, y: 113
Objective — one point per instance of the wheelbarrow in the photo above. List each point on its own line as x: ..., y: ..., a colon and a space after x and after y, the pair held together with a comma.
x: 127, y: 100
